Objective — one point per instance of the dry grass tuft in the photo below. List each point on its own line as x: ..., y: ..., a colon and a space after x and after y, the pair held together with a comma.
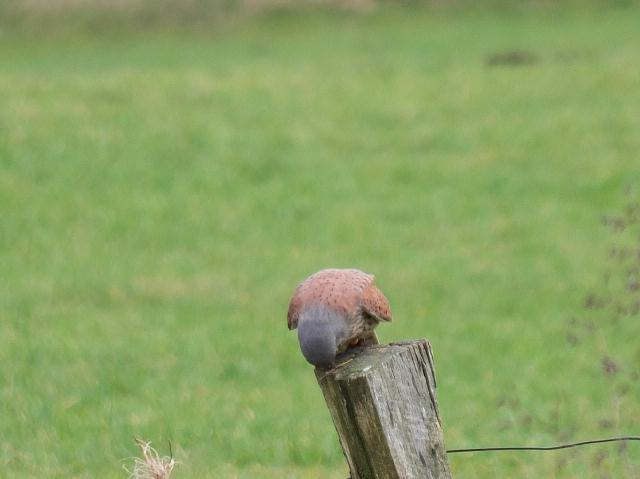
x: 151, y: 466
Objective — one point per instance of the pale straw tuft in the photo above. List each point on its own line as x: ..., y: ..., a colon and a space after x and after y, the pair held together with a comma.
x: 151, y: 465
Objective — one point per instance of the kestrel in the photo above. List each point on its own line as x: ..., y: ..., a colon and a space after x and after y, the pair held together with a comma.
x: 335, y: 309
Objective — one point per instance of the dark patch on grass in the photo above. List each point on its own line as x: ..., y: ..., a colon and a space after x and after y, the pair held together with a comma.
x: 610, y: 311
x: 512, y: 58
x: 609, y: 366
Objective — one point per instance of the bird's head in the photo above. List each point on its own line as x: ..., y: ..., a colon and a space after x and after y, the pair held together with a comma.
x: 317, y: 338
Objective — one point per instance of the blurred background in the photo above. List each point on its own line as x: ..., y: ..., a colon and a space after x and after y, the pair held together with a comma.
x: 171, y: 170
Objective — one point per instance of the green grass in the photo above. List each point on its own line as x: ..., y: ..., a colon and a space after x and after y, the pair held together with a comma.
x: 162, y: 195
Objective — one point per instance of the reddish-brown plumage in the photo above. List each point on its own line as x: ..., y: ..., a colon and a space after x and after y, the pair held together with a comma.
x: 349, y: 292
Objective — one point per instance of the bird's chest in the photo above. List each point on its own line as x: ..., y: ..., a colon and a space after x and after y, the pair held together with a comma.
x: 354, y: 326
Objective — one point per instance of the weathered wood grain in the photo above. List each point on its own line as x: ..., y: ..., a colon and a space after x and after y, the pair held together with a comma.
x: 383, y: 403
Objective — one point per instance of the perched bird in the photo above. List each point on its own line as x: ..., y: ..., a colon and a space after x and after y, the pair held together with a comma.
x: 335, y: 309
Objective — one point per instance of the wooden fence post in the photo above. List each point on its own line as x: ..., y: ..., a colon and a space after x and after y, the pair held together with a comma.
x: 383, y: 404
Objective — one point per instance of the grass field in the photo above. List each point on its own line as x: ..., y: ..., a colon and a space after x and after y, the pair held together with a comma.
x: 161, y: 196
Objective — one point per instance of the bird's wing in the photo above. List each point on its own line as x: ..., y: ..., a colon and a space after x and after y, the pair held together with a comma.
x: 374, y: 303
x: 303, y: 293
x: 294, y: 308
x: 341, y: 289
x: 312, y: 289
